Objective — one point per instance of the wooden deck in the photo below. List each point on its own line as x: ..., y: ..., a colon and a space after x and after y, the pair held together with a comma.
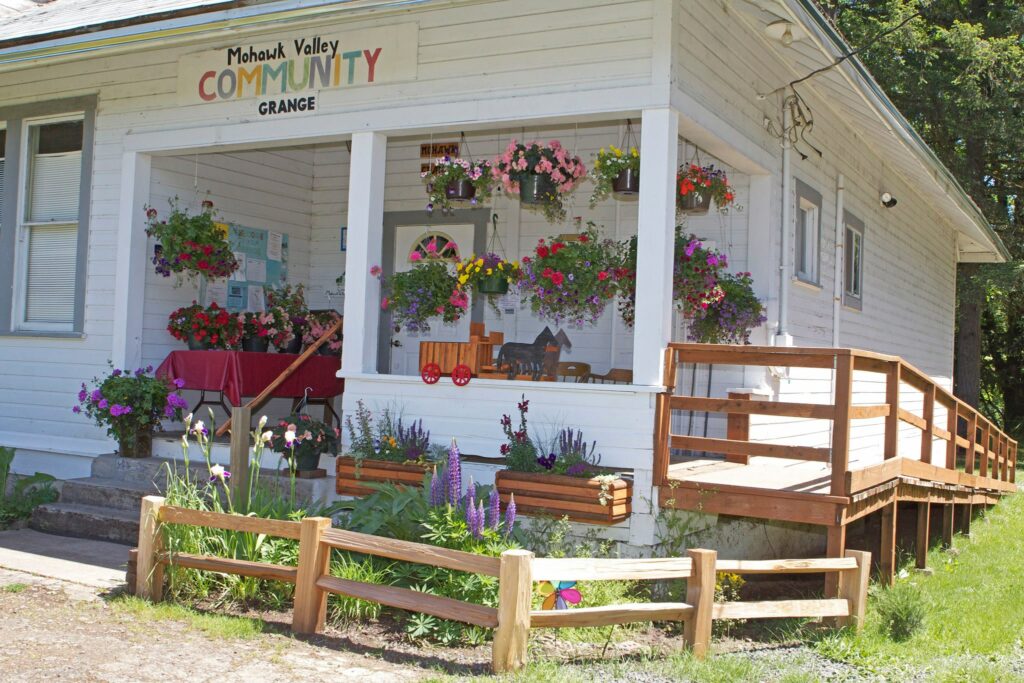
x: 976, y: 464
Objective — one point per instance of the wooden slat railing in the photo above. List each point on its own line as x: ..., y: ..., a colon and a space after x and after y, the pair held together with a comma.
x: 988, y: 451
x: 517, y: 571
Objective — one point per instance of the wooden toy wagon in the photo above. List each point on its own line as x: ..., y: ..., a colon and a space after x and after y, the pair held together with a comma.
x: 459, y: 360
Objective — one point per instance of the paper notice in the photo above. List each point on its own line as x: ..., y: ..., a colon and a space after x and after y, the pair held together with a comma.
x: 216, y: 292
x: 256, y: 270
x: 239, y: 275
x: 236, y: 299
x: 256, y: 302
x: 274, y: 243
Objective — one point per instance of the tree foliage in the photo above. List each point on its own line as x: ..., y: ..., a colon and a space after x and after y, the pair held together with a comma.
x: 956, y: 71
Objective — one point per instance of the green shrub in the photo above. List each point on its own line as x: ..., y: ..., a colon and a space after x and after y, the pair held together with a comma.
x: 901, y: 610
x: 27, y: 493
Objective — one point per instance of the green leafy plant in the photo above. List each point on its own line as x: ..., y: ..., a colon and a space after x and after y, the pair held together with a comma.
x: 301, y: 440
x: 26, y: 494
x: 387, y: 438
x: 193, y: 245
x: 901, y: 610
x: 569, y: 454
x: 211, y: 325
x: 288, y: 304
x: 448, y: 170
x: 428, y: 290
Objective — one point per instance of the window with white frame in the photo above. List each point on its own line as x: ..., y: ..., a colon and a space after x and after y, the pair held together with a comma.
x: 853, y: 266
x: 807, y: 248
x: 49, y: 193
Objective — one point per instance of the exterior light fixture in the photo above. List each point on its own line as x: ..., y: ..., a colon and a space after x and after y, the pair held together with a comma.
x: 783, y: 31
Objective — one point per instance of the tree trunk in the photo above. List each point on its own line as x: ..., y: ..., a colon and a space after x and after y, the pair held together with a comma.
x: 967, y: 351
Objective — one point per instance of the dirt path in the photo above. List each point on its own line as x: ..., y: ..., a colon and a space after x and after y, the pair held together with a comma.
x: 56, y: 631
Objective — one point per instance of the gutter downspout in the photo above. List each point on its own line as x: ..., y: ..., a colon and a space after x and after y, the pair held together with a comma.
x: 837, y: 286
x: 782, y: 336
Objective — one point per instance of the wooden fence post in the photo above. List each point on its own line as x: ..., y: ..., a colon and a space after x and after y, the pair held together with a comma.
x: 737, y: 428
x: 310, y: 610
x: 953, y: 427
x: 853, y: 587
x: 972, y: 438
x: 515, y: 594
x: 892, y: 420
x: 239, y: 482
x: 700, y: 594
x: 841, y: 424
x: 149, y: 571
x: 927, y: 434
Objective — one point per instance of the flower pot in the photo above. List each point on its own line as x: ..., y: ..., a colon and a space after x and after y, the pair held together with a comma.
x: 257, y: 344
x: 536, y: 189
x: 294, y: 346
x: 695, y: 203
x: 627, y: 183
x: 136, y: 445
x: 496, y: 283
x: 306, y: 460
x: 348, y: 476
x: 195, y: 344
x: 325, y: 350
x: 573, y: 497
x: 460, y: 190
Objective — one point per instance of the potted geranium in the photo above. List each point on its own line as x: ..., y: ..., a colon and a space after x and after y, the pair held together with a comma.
x: 292, y: 302
x: 731, y: 318
x: 563, y: 478
x: 615, y: 172
x: 319, y: 324
x: 131, y: 405
x: 571, y: 279
x: 540, y: 174
x: 696, y: 270
x: 258, y: 329
x: 190, y: 244
x: 301, y: 441
x: 456, y: 179
x: 383, y: 450
x: 697, y: 186
x: 428, y: 290
x: 205, y: 328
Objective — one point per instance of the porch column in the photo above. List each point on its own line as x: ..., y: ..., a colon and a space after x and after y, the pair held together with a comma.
x: 365, y: 236
x: 131, y: 261
x: 652, y: 329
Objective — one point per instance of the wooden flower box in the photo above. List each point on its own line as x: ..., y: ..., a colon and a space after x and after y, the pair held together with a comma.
x: 561, y: 496
x: 376, y: 471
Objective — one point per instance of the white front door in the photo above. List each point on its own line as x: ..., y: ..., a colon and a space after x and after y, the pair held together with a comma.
x: 405, y: 349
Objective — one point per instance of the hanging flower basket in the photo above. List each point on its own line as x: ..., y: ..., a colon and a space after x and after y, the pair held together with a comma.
x: 190, y: 245
x: 542, y: 175
x: 695, y: 203
x: 428, y: 290
x: 697, y: 186
x: 495, y: 283
x: 616, y: 173
x: 454, y: 179
x: 461, y: 190
x: 627, y: 183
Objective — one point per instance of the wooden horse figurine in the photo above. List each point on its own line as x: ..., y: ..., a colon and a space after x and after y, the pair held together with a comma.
x: 536, y: 359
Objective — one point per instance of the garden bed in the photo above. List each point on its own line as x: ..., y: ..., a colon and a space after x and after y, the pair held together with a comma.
x: 575, y: 497
x: 348, y: 480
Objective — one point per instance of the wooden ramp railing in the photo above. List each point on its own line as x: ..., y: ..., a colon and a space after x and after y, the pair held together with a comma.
x: 990, y: 455
x: 516, y: 570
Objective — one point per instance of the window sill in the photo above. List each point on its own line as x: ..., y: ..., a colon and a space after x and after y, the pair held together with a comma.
x: 811, y: 286
x: 42, y: 334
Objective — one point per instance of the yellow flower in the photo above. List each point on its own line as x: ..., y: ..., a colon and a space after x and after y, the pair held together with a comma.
x: 501, y: 265
x: 479, y: 262
x: 490, y: 271
x: 463, y: 279
x: 458, y: 268
x: 601, y: 153
x: 634, y: 152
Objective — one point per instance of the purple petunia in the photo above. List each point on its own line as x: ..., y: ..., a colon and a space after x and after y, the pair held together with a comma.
x: 96, y: 395
x: 76, y: 409
x: 180, y: 383
x: 103, y: 403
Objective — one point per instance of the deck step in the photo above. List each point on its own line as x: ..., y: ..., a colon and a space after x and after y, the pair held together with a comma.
x: 87, y: 521
x: 106, y: 492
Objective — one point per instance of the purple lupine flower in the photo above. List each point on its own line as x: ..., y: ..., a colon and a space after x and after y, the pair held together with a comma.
x: 436, y: 491
x: 470, y: 498
x: 510, y: 514
x: 471, y: 519
x: 478, y: 530
x: 454, y: 474
x: 494, y: 505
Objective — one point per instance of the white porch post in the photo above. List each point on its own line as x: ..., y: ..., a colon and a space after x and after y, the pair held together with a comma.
x: 365, y: 237
x: 652, y: 329
x: 130, y: 272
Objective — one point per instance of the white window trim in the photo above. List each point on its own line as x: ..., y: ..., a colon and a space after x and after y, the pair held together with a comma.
x: 807, y: 198
x: 853, y: 224
x: 23, y: 228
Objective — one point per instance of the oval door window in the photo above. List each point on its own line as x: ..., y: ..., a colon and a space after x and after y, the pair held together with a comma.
x: 433, y: 245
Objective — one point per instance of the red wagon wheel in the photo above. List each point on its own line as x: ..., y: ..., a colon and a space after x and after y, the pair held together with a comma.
x: 430, y: 373
x: 461, y: 375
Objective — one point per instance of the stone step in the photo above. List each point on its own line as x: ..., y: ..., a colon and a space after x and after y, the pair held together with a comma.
x: 139, y: 470
x: 106, y: 492
x: 87, y: 521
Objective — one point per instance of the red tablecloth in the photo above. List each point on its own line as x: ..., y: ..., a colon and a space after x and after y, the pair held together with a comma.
x: 242, y: 373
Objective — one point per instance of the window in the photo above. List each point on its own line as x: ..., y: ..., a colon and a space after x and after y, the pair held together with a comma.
x: 853, y: 266
x: 808, y: 233
x: 3, y: 158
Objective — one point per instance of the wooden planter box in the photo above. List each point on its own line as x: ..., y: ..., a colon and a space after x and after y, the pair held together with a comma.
x: 562, y: 496
x: 377, y: 471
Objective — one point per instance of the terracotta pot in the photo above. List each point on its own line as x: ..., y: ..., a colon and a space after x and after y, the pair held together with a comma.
x: 460, y: 190
x: 256, y: 344
x: 493, y: 284
x: 348, y: 476
x: 561, y: 496
x: 137, y: 445
x: 627, y: 183
x: 198, y: 344
x: 537, y: 189
x: 695, y: 203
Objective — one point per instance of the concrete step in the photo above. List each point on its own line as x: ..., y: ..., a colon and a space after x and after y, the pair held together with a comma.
x: 106, y: 492
x: 87, y: 521
x: 139, y: 470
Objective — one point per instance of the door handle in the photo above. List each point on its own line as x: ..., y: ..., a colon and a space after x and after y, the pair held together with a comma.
x: 396, y: 343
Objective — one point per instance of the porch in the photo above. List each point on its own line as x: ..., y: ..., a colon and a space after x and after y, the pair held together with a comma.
x: 838, y: 455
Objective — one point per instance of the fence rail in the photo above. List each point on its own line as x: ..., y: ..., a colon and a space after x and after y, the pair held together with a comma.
x: 517, y: 571
x: 988, y: 452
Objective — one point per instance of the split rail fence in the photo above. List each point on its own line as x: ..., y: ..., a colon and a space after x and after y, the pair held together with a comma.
x: 516, y: 571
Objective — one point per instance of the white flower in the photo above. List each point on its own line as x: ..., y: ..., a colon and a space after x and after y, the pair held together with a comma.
x: 198, y: 427
x: 263, y: 422
x: 289, y: 436
x: 267, y: 436
x: 217, y: 471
